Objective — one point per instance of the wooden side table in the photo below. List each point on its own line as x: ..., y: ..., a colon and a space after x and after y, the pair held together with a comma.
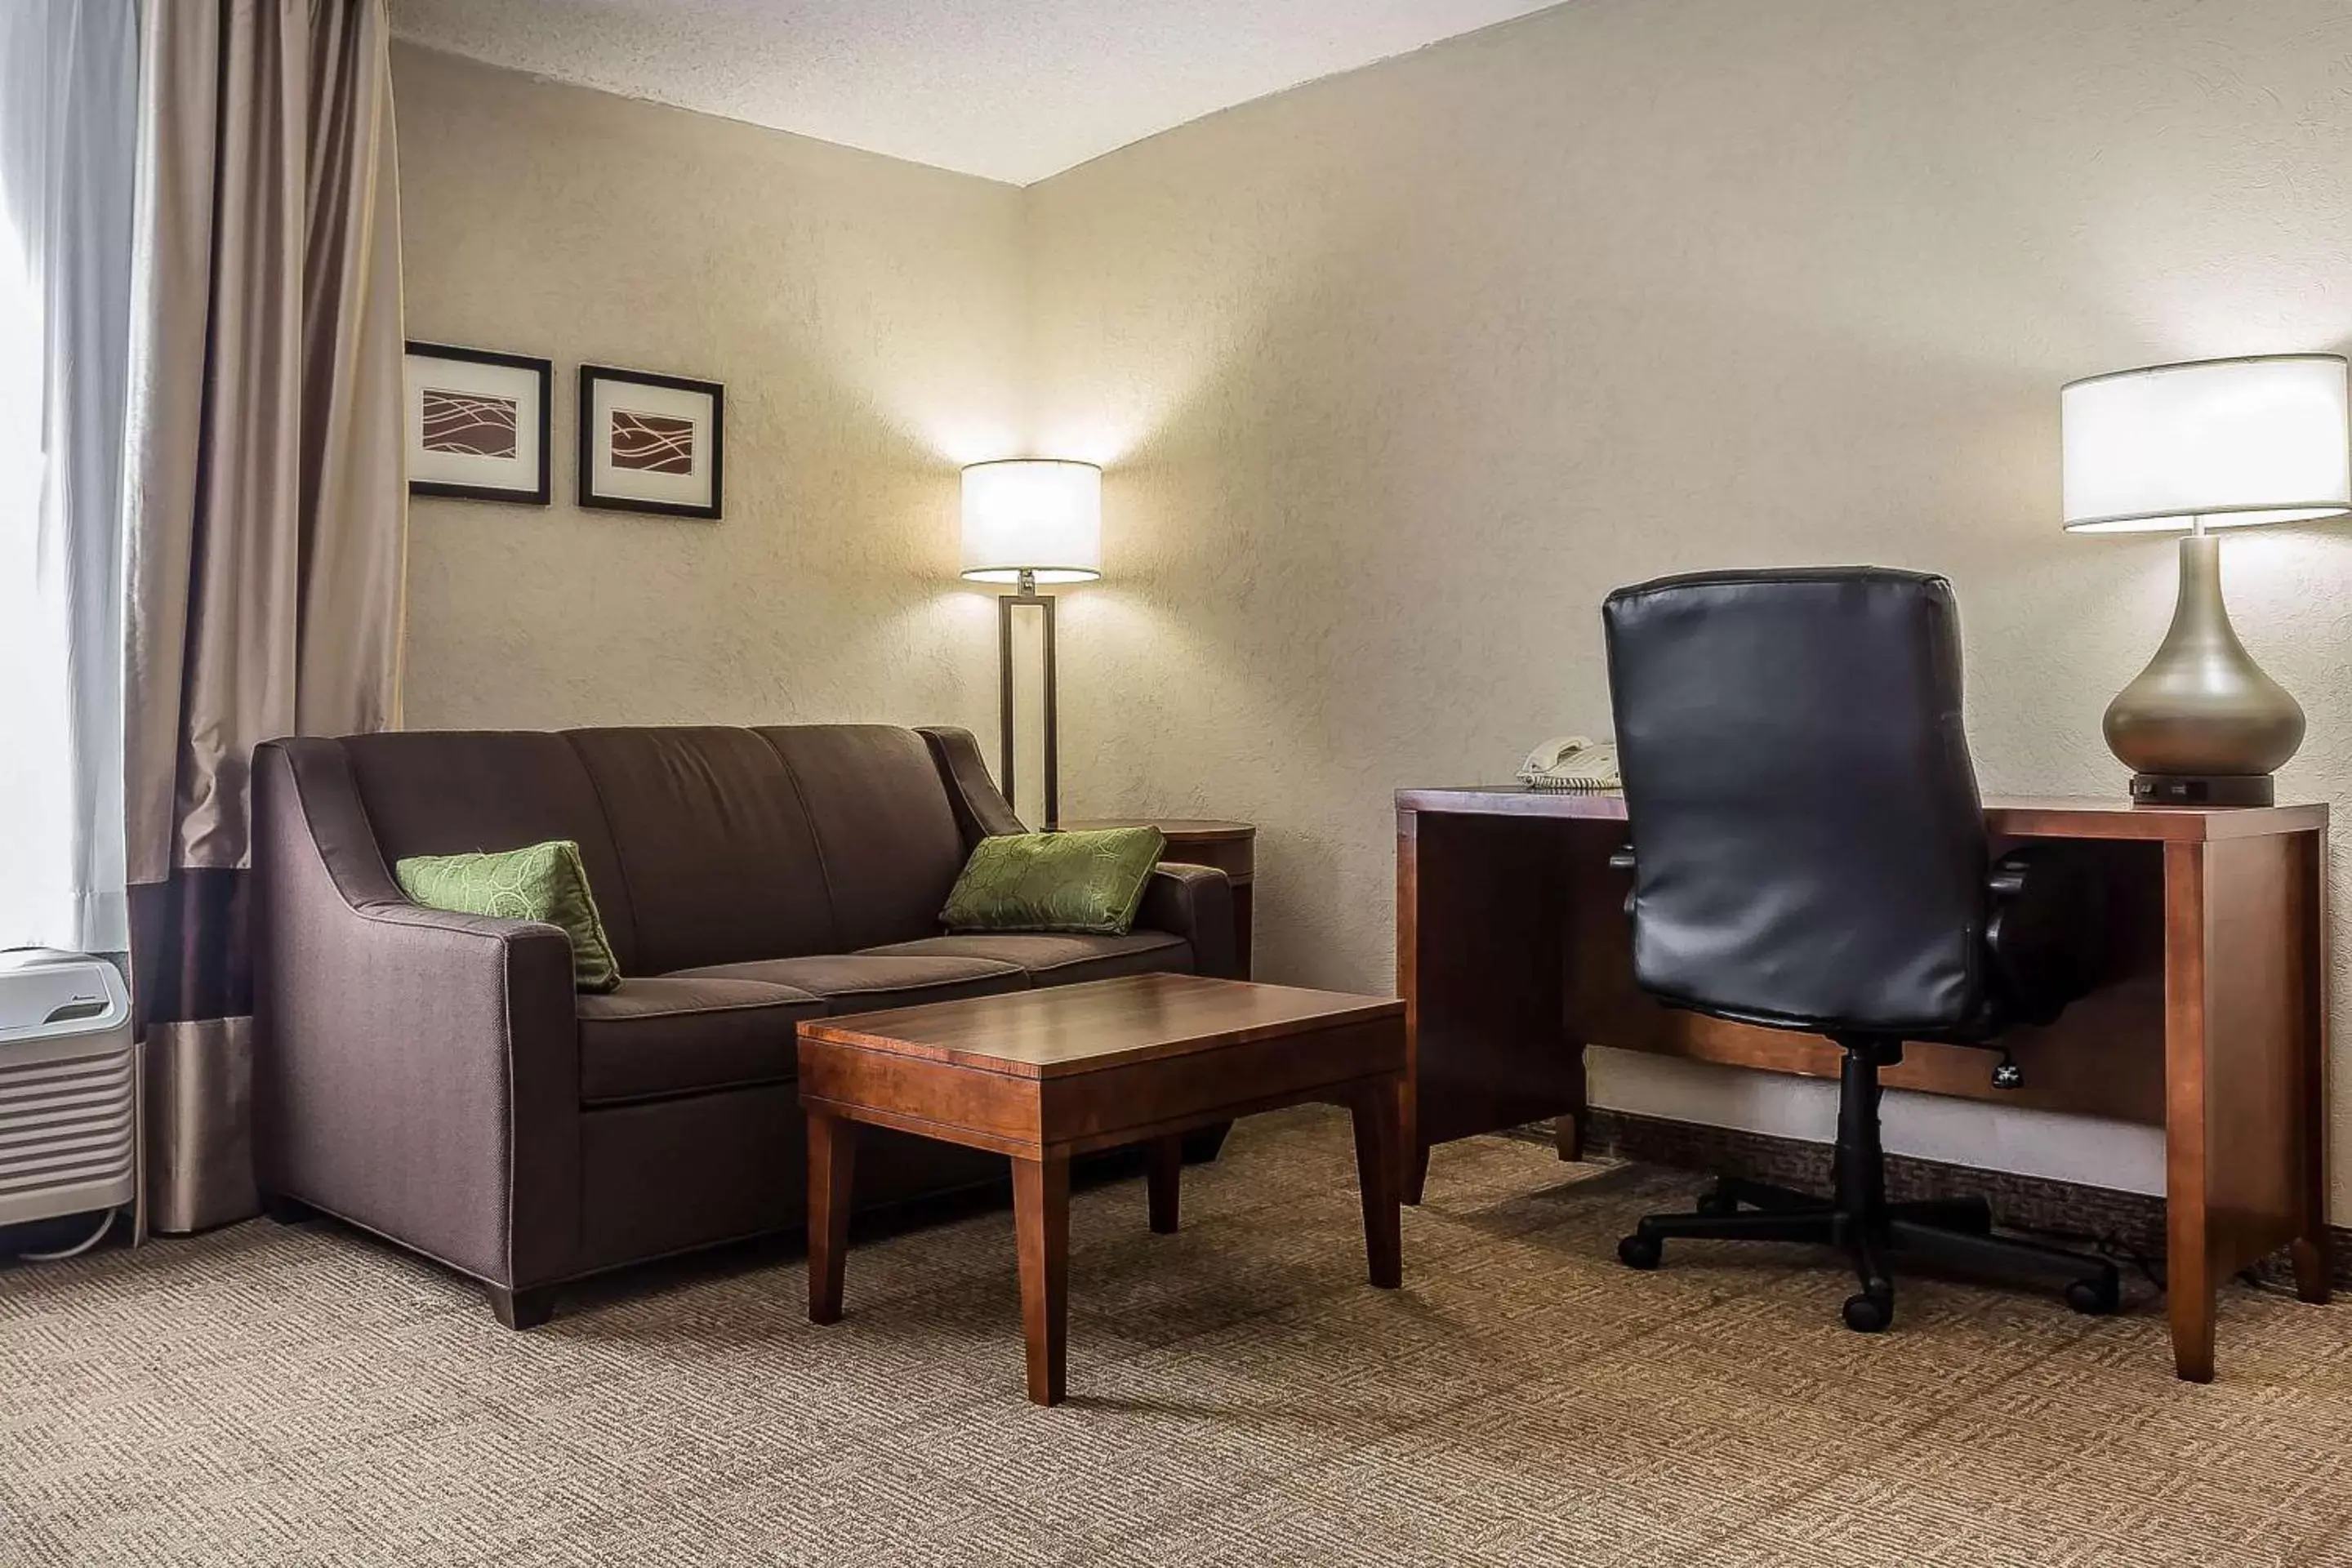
x: 1229, y: 846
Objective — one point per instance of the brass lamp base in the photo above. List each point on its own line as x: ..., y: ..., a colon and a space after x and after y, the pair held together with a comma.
x: 2202, y: 725
x: 2204, y: 789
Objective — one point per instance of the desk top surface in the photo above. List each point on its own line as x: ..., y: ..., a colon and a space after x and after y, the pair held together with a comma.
x: 2015, y: 816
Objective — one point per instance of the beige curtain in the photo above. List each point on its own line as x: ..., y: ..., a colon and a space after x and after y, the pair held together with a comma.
x: 267, y: 510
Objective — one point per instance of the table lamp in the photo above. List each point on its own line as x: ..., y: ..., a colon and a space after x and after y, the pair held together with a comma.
x: 2225, y: 443
x: 1027, y: 521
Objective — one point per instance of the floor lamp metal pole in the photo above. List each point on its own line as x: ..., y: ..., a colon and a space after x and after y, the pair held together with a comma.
x: 1005, y: 604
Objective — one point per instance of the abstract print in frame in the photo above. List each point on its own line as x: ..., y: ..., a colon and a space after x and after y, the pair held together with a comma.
x: 478, y: 423
x: 651, y: 443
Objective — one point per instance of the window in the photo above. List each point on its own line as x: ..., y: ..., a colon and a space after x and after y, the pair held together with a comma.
x: 68, y: 127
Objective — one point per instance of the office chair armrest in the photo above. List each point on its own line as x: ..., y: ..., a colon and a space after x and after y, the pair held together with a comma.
x: 1622, y: 860
x: 2048, y: 909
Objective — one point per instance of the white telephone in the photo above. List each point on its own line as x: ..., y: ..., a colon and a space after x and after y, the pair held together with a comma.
x: 1571, y: 762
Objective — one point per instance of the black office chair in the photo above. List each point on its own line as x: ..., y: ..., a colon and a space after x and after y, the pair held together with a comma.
x: 1809, y: 853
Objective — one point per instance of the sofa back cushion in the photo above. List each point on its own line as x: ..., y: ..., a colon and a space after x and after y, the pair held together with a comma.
x: 702, y: 846
x: 883, y: 827
x: 447, y: 792
x: 721, y: 862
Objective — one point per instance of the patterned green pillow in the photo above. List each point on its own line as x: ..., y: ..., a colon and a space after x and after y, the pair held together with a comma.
x: 1091, y: 882
x: 545, y: 882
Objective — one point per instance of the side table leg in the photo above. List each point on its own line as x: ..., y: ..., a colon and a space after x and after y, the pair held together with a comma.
x: 1041, y: 1218
x: 832, y: 1163
x: 1163, y: 1177
x: 1378, y: 1163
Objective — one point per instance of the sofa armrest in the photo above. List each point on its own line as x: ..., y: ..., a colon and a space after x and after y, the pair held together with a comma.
x: 981, y: 809
x: 415, y: 1071
x: 1195, y: 902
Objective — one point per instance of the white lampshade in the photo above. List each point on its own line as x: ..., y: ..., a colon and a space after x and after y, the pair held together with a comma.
x: 2234, y: 441
x: 1041, y: 515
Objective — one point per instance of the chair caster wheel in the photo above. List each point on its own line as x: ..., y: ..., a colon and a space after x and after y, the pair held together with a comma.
x: 2094, y: 1297
x: 1715, y: 1205
x: 1868, y: 1313
x: 1639, y: 1251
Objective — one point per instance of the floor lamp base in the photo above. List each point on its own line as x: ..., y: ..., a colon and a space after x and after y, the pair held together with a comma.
x: 2203, y: 789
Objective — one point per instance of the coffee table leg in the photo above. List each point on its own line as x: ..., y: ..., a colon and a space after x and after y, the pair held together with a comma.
x: 1378, y: 1163
x: 1163, y: 1177
x: 831, y: 1162
x: 1041, y: 1214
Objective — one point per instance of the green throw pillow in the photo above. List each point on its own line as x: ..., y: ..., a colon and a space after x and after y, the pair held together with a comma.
x: 545, y: 882
x: 1091, y: 883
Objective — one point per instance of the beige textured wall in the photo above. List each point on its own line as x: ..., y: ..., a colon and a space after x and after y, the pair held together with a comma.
x: 1398, y: 373
x: 868, y: 320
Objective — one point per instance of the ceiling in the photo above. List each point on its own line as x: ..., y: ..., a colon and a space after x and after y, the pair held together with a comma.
x: 1012, y: 90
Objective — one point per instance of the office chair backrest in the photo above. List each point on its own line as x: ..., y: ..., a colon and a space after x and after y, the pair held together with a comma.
x: 1808, y: 846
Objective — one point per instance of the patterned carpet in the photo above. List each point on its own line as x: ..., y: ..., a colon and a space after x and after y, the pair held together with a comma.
x: 1240, y: 1396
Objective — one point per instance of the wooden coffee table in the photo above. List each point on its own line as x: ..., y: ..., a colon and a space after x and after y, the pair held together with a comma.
x: 1041, y: 1076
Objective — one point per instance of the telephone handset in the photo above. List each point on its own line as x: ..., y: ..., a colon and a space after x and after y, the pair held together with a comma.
x: 1571, y: 762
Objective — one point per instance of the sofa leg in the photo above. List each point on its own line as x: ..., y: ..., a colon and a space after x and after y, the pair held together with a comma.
x: 522, y: 1308
x: 286, y: 1210
x: 1201, y: 1143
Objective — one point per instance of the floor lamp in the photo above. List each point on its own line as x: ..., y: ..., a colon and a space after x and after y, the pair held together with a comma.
x: 1031, y: 521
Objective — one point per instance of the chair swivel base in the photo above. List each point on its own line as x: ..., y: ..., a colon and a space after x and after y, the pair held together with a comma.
x: 1954, y: 1234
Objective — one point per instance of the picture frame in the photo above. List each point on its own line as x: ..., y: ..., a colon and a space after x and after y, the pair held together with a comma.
x: 652, y: 443
x: 479, y: 423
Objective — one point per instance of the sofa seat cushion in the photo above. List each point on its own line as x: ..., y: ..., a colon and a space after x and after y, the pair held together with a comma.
x: 1054, y: 959
x: 868, y: 983
x: 678, y: 1034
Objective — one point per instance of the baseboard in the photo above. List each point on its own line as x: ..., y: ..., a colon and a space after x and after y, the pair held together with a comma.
x: 2117, y: 1221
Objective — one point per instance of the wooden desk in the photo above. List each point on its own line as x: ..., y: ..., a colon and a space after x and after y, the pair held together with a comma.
x: 2211, y: 1019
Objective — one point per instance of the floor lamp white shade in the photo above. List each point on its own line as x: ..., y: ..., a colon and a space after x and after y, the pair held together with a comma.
x: 1041, y: 517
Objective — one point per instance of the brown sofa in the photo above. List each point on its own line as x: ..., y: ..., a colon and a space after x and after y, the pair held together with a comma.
x: 434, y: 1078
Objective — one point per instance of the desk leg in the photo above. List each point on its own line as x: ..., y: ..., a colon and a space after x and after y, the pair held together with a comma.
x: 1487, y: 910
x: 2245, y: 1054
x: 1412, y: 1149
x: 1568, y: 1135
x: 2309, y: 1249
x: 1041, y: 1218
x: 2189, y: 1282
x: 832, y: 1163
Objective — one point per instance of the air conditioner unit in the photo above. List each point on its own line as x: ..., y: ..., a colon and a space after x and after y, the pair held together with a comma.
x: 69, y: 1086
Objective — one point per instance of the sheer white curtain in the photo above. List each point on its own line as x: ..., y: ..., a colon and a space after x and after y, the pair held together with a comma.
x: 69, y: 109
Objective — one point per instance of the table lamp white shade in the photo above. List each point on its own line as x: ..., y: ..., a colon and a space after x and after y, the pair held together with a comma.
x: 1039, y: 515
x: 2231, y: 442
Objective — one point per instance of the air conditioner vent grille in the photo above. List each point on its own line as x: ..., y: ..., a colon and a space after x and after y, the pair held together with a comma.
x: 65, y: 1123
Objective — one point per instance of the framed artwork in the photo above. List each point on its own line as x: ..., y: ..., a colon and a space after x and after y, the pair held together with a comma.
x: 478, y: 424
x: 651, y: 443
